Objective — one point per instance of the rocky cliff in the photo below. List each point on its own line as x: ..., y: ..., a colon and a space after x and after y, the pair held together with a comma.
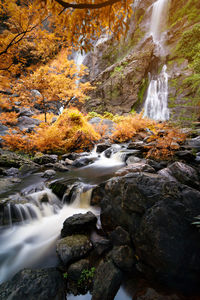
x: 120, y: 69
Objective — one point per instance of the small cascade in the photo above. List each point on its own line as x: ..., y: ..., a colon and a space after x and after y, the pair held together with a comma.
x: 156, y: 103
x: 157, y: 96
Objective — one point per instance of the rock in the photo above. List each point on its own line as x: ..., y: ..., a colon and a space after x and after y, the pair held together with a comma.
x: 184, y: 174
x: 8, y: 183
x: 137, y: 167
x: 23, y: 111
x: 82, y: 162
x: 151, y: 294
x: 41, y: 284
x: 73, y: 248
x: 166, y: 173
x: 71, y: 156
x: 75, y: 269
x: 60, y: 186
x: 10, y: 159
x: 11, y: 172
x: 49, y: 174
x: 168, y: 242
x: 195, y: 143
x: 185, y: 155
x: 60, y: 167
x: 25, y: 122
x: 102, y: 147
x: 107, y: 281
x: 133, y: 159
x: 45, y: 159
x: 68, y: 162
x: 79, y: 223
x: 123, y: 258
x: 132, y: 194
x: 29, y: 168
x: 107, y: 124
x: 97, y: 194
x: 119, y: 237
x: 139, y: 145
x: 100, y: 244
x: 157, y: 165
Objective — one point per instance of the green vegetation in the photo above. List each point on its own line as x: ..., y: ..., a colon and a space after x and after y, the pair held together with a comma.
x: 85, y: 280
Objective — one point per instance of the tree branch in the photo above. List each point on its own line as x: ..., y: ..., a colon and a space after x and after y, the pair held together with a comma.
x: 87, y: 5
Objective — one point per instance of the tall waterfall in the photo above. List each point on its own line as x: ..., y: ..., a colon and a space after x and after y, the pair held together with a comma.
x: 157, y: 94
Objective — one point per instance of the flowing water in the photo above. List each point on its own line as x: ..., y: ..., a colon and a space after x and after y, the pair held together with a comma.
x: 156, y: 103
x: 33, y: 226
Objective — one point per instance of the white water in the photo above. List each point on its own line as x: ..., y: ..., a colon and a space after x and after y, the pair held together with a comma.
x: 32, y: 242
x: 157, y: 98
x: 156, y: 103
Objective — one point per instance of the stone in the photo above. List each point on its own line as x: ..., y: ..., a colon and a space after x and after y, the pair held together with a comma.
x: 134, y: 168
x: 72, y: 248
x: 60, y: 167
x: 185, y: 155
x: 71, y: 156
x: 49, y: 174
x: 29, y: 168
x: 82, y: 162
x: 184, y: 174
x: 133, y: 159
x: 119, y: 237
x: 60, y: 186
x: 68, y: 162
x: 152, y: 294
x: 79, y: 223
x: 41, y: 284
x: 45, y: 159
x: 100, y: 243
x: 107, y: 281
x: 123, y: 258
x: 75, y: 269
x: 195, y: 143
x: 102, y: 147
x: 25, y: 122
x: 12, y: 172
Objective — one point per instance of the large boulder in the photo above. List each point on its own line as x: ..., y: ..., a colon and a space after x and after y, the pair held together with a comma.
x: 107, y: 281
x: 42, y: 284
x: 79, y: 223
x: 72, y: 248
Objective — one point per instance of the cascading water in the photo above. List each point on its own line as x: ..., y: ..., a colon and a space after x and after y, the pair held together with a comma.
x: 156, y: 103
x: 34, y: 225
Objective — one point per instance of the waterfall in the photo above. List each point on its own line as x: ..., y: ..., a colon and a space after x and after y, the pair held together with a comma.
x: 157, y: 94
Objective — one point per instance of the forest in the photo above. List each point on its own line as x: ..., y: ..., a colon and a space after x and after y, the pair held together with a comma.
x: 99, y: 149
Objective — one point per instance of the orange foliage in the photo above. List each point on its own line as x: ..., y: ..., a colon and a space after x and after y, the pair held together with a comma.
x: 9, y: 118
x: 70, y: 132
x: 164, y: 140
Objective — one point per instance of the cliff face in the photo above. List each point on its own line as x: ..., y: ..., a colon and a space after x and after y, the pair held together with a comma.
x: 120, y: 69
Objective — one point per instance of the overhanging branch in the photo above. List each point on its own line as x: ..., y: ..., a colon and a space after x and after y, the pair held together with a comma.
x: 87, y: 5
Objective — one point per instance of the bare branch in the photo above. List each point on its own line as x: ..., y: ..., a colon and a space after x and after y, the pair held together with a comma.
x: 87, y: 5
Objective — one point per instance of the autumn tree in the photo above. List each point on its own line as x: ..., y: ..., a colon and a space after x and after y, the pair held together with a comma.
x: 55, y: 81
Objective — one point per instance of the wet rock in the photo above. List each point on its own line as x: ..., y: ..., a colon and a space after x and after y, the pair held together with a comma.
x: 100, y: 243
x: 168, y: 242
x: 157, y: 165
x: 49, y: 174
x: 10, y: 159
x: 60, y: 186
x: 45, y: 159
x: 97, y: 195
x: 184, y: 174
x: 151, y: 294
x: 41, y: 284
x: 68, y: 162
x: 60, y: 167
x: 102, y: 147
x: 29, y: 168
x: 73, y: 247
x: 71, y: 156
x: 75, y: 269
x: 107, y: 281
x: 79, y: 223
x: 8, y: 183
x: 185, y: 155
x: 123, y: 258
x: 82, y: 162
x: 133, y: 159
x: 137, y: 167
x: 119, y: 237
x: 195, y: 143
x: 11, y: 172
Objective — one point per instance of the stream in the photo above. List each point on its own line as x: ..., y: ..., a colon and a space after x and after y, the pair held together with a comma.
x: 31, y: 242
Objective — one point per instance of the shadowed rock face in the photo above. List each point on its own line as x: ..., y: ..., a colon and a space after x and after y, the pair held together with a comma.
x: 158, y: 214
x: 42, y: 284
